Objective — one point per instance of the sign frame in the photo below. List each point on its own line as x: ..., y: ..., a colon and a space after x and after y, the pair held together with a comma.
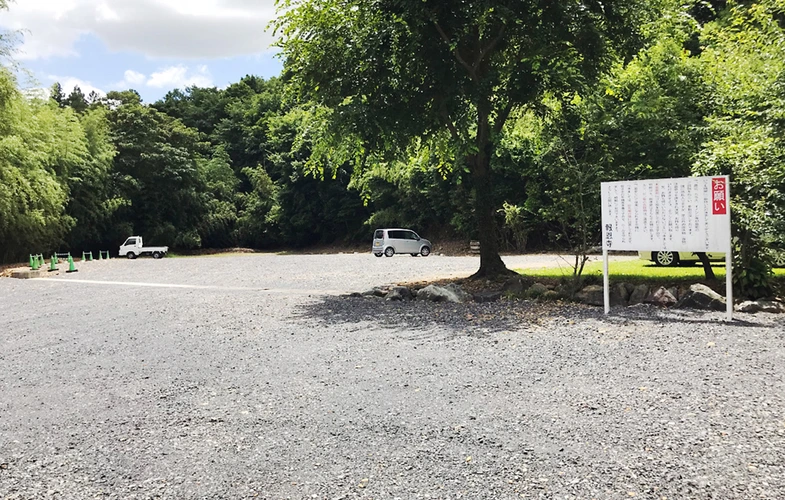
x: 713, y: 201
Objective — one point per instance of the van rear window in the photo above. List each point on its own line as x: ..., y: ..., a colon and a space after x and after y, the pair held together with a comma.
x: 379, y: 234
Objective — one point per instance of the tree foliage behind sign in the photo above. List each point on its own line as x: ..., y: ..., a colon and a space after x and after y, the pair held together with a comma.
x: 743, y: 65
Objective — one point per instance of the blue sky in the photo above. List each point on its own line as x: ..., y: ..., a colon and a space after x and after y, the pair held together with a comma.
x: 152, y: 46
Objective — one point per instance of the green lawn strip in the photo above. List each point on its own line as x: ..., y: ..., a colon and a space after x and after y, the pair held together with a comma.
x: 633, y: 271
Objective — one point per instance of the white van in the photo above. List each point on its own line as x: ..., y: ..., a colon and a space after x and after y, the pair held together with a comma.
x: 391, y: 241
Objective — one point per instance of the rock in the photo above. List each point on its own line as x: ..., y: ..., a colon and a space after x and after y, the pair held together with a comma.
x: 592, y: 295
x: 536, y: 290
x: 448, y: 293
x: 375, y: 292
x: 638, y: 295
x: 748, y: 306
x: 624, y: 290
x: 516, y: 285
x: 551, y: 295
x: 399, y: 293
x: 617, y: 296
x: 754, y: 306
x: 661, y: 297
x: 513, y: 285
x: 702, y: 297
x: 674, y: 290
x: 26, y: 274
x: 491, y: 296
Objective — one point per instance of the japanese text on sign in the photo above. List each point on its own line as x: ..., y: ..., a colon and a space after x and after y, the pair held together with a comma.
x: 688, y: 215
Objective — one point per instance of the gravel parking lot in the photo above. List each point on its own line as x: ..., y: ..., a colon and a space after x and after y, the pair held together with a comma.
x: 250, y: 376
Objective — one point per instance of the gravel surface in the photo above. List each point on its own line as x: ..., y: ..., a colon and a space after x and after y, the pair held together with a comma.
x: 249, y: 376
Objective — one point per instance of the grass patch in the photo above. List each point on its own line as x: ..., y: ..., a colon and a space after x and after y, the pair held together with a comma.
x: 634, y: 271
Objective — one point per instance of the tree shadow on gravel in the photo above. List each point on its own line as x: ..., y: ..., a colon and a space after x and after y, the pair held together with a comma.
x: 471, y: 318
x: 688, y: 316
x: 478, y: 319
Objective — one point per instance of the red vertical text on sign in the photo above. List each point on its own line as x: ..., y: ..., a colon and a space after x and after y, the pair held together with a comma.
x: 719, y: 198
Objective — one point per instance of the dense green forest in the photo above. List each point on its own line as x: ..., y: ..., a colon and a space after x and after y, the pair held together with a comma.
x: 484, y: 120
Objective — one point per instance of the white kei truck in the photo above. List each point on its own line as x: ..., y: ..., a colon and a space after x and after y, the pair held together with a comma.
x: 134, y: 247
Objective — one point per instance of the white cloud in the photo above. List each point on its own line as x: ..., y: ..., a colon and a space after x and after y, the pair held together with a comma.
x: 184, y: 29
x: 68, y: 83
x: 179, y: 77
x: 132, y: 77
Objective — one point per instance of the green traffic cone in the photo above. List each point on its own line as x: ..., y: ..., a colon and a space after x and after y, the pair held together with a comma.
x: 89, y: 256
x: 83, y: 257
x: 71, y: 267
x: 53, y: 264
x: 100, y: 255
x: 32, y: 265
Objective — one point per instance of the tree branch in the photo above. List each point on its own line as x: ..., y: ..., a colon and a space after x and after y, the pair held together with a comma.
x: 501, y: 119
x: 448, y: 123
x: 455, y: 51
x: 490, y: 46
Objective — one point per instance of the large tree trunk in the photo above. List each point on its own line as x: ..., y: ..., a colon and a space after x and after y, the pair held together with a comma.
x: 491, y: 264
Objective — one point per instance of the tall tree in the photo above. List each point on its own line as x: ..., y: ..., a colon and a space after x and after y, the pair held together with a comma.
x: 91, y: 201
x: 156, y: 169
x: 197, y: 107
x: 76, y: 100
x: 393, y: 70
x: 40, y: 145
x: 56, y: 94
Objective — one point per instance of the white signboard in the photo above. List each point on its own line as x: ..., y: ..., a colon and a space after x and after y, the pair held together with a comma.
x: 679, y: 215
x: 690, y: 214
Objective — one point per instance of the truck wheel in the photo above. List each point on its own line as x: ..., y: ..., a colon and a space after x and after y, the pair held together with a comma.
x: 157, y: 255
x: 131, y: 255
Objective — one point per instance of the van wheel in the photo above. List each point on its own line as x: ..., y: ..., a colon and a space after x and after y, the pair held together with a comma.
x: 131, y: 255
x: 389, y: 252
x: 425, y: 251
x: 663, y: 258
x: 378, y: 254
x: 779, y: 259
x: 157, y: 255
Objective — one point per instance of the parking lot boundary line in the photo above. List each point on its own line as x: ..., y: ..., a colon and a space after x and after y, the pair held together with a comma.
x: 193, y: 287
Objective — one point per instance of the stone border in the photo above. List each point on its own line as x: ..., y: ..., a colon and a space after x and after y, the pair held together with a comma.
x: 697, y: 296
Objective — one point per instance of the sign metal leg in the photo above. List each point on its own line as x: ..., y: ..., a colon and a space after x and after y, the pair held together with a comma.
x: 606, y: 291
x: 729, y: 282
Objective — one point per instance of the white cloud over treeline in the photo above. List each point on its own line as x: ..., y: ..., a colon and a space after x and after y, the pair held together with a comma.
x: 181, y: 29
